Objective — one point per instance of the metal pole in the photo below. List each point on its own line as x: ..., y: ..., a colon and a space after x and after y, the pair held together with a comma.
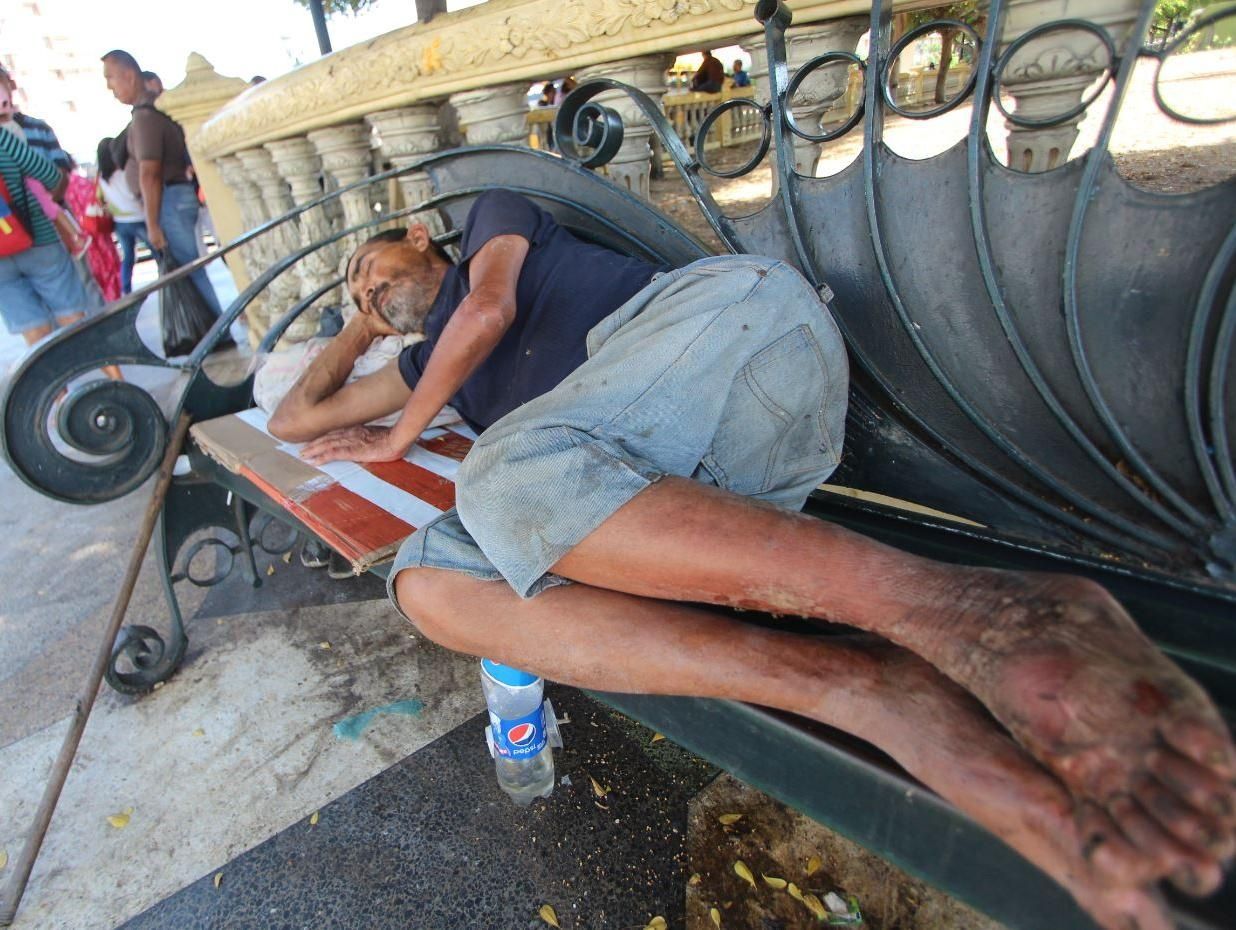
x: 16, y: 887
x: 319, y: 26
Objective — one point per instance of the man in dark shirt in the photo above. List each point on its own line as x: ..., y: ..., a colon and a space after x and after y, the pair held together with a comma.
x: 647, y: 438
x: 710, y: 75
x: 157, y: 169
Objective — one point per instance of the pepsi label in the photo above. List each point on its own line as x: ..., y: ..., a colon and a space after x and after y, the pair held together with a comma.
x: 520, y: 738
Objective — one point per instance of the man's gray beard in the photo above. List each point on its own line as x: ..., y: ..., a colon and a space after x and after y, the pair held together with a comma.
x: 404, y: 312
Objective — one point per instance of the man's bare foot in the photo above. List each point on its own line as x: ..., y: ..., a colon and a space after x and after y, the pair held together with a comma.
x: 1066, y: 670
x: 942, y: 736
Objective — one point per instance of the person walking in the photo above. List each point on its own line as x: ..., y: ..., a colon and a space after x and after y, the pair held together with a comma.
x: 126, y: 210
x: 39, y: 289
x: 157, y: 170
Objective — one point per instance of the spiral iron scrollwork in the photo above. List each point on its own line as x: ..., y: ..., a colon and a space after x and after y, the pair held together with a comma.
x: 140, y: 659
x: 582, y: 124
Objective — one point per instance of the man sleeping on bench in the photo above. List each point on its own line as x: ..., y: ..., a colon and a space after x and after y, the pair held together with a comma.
x: 648, y: 437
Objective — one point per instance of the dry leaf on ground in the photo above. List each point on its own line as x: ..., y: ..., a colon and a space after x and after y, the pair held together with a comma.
x: 121, y: 820
x: 218, y: 879
x: 313, y: 818
x: 741, y: 870
x: 4, y: 858
x: 270, y: 569
x: 695, y: 879
x: 813, y: 865
x: 287, y: 558
x: 323, y: 645
x: 794, y: 892
x: 773, y: 882
x: 715, y: 915
x: 549, y: 915
x: 598, y: 789
x: 199, y: 732
x: 816, y: 906
x: 657, y: 737
x: 657, y: 923
x: 728, y: 820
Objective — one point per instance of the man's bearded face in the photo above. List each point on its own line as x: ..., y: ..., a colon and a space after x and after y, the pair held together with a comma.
x: 404, y: 304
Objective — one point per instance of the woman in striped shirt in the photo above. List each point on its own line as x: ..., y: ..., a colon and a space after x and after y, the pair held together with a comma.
x: 39, y: 289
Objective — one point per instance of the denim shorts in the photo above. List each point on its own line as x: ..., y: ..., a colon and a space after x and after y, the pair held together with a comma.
x: 729, y: 371
x: 40, y: 287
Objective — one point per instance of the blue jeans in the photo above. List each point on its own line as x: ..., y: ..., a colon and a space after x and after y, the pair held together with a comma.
x: 178, y: 217
x: 128, y: 234
x: 729, y: 371
x: 40, y: 287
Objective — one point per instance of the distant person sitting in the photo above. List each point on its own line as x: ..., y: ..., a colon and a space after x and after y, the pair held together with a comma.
x: 157, y: 170
x: 740, y: 78
x: 548, y: 94
x: 710, y: 75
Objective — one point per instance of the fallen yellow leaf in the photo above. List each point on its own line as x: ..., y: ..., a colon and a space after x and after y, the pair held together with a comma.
x: 794, y: 892
x: 4, y: 858
x: 716, y: 917
x: 323, y: 645
x: 597, y: 788
x: 773, y: 882
x: 813, y: 865
x: 548, y: 915
x: 740, y: 868
x: 695, y: 879
x: 313, y: 819
x: 729, y: 819
x: 270, y: 569
x: 199, y: 732
x: 218, y: 879
x: 121, y: 820
x: 287, y: 558
x: 657, y: 923
x: 816, y: 906
x: 657, y: 737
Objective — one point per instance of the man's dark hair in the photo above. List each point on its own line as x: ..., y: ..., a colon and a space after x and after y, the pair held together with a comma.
x: 150, y: 76
x: 394, y: 235
x: 124, y: 59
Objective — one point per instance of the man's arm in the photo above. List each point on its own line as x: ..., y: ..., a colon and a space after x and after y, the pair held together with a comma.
x: 150, y: 178
x: 319, y: 401
x: 475, y: 328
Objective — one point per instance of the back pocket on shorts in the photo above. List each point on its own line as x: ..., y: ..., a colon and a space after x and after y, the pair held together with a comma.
x: 775, y: 427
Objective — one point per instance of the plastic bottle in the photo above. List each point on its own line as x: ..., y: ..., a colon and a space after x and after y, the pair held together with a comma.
x: 522, y: 731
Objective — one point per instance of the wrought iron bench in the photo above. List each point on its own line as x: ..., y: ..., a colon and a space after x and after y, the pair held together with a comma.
x: 1075, y: 405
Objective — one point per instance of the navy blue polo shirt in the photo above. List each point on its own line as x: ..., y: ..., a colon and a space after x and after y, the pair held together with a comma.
x: 566, y: 287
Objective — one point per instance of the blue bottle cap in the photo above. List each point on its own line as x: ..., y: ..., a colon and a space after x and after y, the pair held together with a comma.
x: 505, y: 675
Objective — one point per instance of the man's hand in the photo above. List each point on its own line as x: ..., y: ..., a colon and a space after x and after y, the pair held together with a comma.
x: 353, y: 444
x: 155, y: 234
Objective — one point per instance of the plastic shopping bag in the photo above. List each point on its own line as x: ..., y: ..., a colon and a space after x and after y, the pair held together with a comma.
x: 185, y: 315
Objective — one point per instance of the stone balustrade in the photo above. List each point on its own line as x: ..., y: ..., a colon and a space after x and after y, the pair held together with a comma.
x: 464, y: 78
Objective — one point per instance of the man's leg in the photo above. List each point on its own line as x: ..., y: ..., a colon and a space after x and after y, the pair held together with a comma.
x: 178, y: 217
x: 1054, y: 658
x: 127, y: 237
x: 593, y: 638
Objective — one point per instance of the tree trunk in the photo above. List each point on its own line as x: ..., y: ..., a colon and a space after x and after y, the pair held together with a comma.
x: 946, y: 60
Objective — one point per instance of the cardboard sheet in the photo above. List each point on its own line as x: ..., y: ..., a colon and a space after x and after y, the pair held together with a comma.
x: 361, y: 510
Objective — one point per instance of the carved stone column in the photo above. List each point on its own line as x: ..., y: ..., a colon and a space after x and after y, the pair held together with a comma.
x: 302, y: 168
x: 631, y: 166
x: 253, y: 213
x: 493, y: 115
x: 276, y: 200
x: 820, y: 91
x: 347, y: 158
x: 1051, y: 74
x: 404, y: 136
